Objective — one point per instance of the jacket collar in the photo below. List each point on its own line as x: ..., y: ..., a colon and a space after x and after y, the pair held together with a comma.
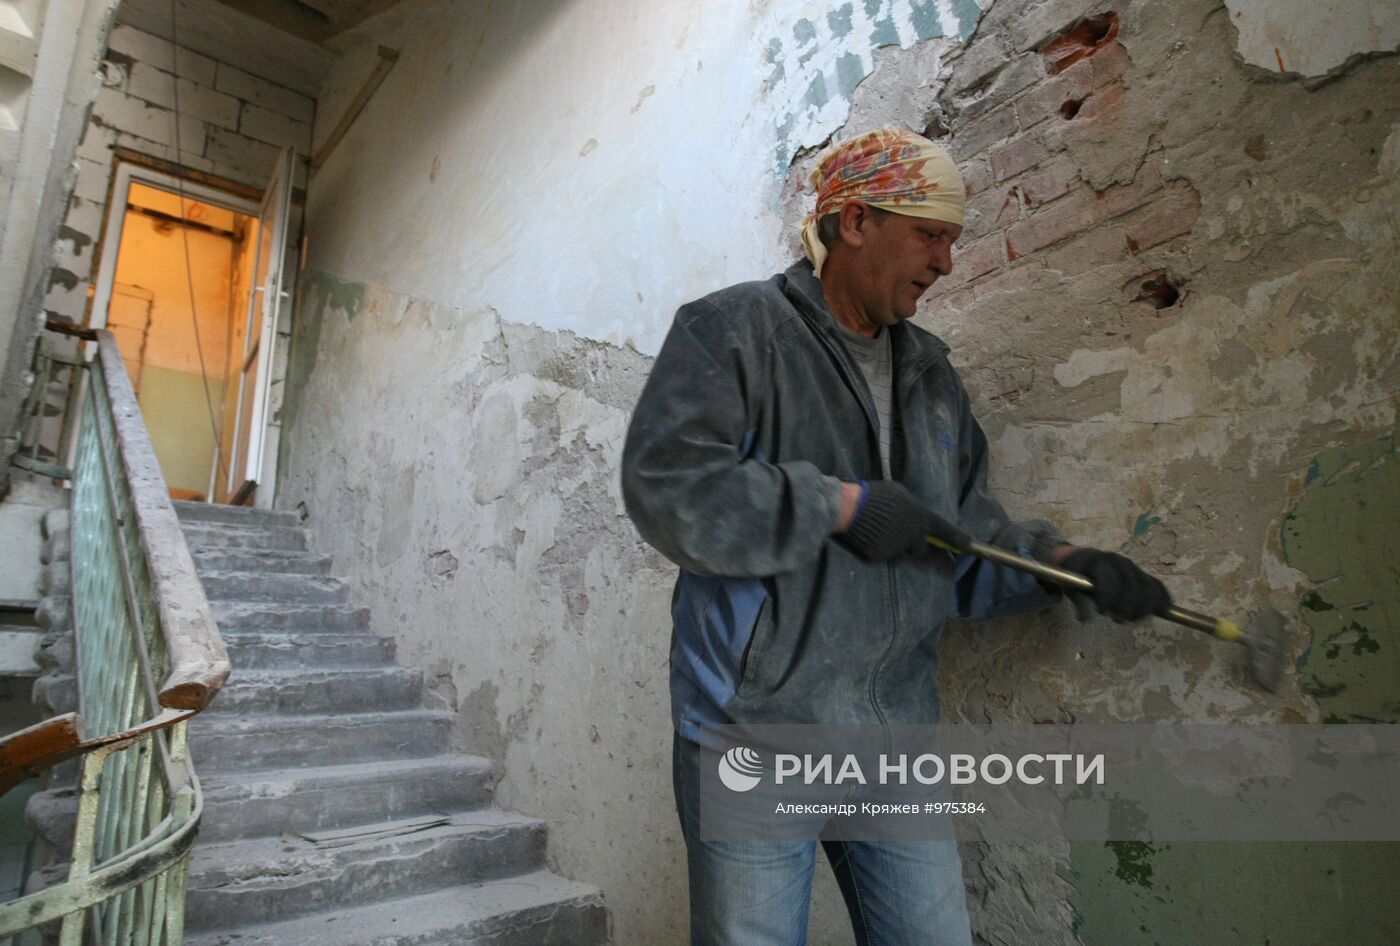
x: 917, y: 347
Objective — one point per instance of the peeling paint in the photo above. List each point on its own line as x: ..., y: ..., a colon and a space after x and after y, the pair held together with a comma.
x: 462, y: 471
x: 1134, y: 861
x: 817, y: 63
x: 1344, y: 534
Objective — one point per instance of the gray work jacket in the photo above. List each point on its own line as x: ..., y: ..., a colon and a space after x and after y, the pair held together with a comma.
x: 752, y: 407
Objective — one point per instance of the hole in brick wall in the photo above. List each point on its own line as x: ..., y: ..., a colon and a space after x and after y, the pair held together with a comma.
x: 1071, y: 108
x: 1083, y: 39
x: 936, y: 124
x: 1159, y: 291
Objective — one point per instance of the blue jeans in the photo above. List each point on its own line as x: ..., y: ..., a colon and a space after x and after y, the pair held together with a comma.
x: 756, y: 893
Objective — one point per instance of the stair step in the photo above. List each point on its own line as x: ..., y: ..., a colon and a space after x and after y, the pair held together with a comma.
x: 232, y: 615
x: 535, y: 909
x: 276, y: 561
x: 334, y: 813
x: 240, y: 805
x: 245, y: 805
x: 223, y: 743
x: 238, y: 883
x: 210, y: 535
x: 233, y: 515
x: 222, y: 585
x: 251, y: 649
x: 319, y: 691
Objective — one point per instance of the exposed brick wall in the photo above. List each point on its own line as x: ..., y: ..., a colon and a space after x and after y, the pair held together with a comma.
x: 232, y: 124
x: 1013, y: 94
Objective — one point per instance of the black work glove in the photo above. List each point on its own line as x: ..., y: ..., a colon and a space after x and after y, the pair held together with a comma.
x: 892, y: 523
x: 1122, y: 591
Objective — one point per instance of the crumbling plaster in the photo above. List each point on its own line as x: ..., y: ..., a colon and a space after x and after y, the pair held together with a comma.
x: 458, y: 456
x: 1310, y: 38
x: 462, y: 471
x: 1182, y: 434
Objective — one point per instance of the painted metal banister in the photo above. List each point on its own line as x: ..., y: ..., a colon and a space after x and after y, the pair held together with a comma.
x: 148, y: 657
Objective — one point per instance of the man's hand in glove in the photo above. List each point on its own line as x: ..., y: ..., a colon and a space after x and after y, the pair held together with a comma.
x: 889, y: 522
x: 1122, y: 591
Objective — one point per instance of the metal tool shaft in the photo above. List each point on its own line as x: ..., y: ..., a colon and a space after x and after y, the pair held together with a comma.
x: 1076, y: 582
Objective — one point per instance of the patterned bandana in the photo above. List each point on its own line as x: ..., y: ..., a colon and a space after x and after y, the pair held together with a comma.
x: 894, y: 170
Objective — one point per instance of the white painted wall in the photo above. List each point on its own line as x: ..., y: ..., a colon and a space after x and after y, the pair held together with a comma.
x: 588, y: 165
x: 1312, y: 38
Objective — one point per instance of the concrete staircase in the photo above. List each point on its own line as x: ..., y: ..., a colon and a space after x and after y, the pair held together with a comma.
x: 335, y: 813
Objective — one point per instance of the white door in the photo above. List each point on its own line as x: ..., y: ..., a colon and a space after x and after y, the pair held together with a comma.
x: 259, y: 334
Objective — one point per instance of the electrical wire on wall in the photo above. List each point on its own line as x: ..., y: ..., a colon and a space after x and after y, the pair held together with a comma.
x: 215, y: 424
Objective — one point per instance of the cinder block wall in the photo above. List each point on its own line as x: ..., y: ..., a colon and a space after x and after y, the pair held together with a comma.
x: 232, y: 124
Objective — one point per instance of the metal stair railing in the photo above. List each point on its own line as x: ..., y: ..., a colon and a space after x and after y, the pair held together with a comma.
x: 148, y: 657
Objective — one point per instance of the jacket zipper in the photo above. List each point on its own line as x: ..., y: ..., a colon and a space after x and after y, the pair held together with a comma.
x: 879, y: 664
x: 846, y: 368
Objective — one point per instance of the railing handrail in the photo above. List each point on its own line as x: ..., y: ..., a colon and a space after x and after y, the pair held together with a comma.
x: 198, y: 660
x: 138, y: 811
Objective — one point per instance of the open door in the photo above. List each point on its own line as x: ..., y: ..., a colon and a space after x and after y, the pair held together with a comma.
x: 253, y: 370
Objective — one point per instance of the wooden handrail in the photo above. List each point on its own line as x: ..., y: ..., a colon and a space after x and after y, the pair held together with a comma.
x: 198, y: 660
x: 31, y: 751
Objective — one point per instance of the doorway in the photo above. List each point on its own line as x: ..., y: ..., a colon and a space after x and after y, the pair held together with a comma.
x: 176, y: 327
x: 189, y: 285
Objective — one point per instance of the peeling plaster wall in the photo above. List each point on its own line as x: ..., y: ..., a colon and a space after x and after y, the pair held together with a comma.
x: 462, y: 471
x: 1177, y: 290
x: 1177, y: 294
x: 1352, y: 660
x: 1302, y: 36
x: 460, y: 395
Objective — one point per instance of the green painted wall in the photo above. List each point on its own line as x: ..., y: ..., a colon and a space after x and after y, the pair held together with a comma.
x: 1237, y: 894
x: 1344, y: 534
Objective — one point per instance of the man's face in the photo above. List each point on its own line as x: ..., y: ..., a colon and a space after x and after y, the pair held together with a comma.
x: 901, y: 258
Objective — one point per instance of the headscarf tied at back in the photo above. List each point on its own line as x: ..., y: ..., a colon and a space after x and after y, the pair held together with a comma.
x: 891, y: 169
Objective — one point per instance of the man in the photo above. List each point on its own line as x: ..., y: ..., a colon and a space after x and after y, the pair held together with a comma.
x: 794, y: 444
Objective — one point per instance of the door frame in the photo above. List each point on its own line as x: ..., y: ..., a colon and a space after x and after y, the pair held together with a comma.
x: 126, y: 174
x: 127, y: 171
x: 264, y: 307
